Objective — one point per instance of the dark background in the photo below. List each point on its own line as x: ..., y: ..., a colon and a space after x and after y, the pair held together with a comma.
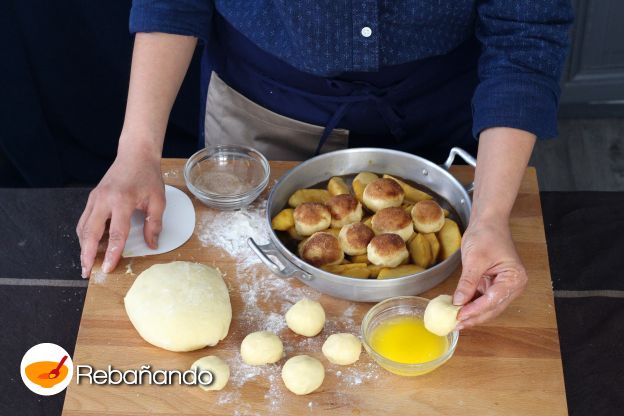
x: 64, y: 77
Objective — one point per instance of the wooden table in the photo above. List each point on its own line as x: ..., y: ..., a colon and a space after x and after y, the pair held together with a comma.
x: 511, y: 365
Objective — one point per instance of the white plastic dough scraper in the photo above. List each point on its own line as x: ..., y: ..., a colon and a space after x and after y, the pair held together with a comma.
x: 178, y: 224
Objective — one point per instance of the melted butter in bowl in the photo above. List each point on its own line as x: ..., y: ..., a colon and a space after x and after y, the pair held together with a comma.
x: 404, y: 339
x: 394, y: 335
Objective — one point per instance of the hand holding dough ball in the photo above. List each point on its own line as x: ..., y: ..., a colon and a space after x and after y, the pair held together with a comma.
x: 180, y: 306
x: 393, y: 220
x: 387, y: 250
x: 306, y: 318
x: 383, y: 193
x: 344, y: 210
x: 303, y: 374
x: 311, y: 217
x: 342, y: 349
x: 219, y: 369
x: 354, y: 238
x: 441, y: 315
x: 428, y: 216
x: 321, y: 249
x: 261, y: 347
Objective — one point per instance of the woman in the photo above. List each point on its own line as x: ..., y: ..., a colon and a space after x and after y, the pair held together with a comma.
x: 295, y: 78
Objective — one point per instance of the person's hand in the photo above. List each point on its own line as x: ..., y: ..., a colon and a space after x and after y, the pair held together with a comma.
x: 133, y: 182
x: 491, y: 268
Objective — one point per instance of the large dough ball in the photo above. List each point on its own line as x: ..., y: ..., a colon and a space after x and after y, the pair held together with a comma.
x: 306, y: 317
x: 303, y: 374
x: 441, y: 315
x: 262, y: 347
x: 342, y: 349
x: 218, y: 368
x: 180, y: 306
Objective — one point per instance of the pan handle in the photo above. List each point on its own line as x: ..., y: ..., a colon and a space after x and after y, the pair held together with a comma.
x: 276, y: 262
x: 457, y: 151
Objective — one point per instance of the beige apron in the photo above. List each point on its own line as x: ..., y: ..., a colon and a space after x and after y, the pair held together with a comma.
x: 231, y: 118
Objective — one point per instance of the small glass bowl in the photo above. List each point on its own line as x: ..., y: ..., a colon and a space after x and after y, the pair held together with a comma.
x: 227, y: 177
x: 401, y: 306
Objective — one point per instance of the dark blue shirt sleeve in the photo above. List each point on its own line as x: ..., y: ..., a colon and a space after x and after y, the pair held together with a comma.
x: 523, y: 51
x: 179, y: 17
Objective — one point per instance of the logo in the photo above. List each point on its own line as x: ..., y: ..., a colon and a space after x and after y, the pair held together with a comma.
x: 46, y: 369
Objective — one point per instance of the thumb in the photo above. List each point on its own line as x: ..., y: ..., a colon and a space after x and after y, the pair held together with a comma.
x: 153, y: 220
x: 473, y: 268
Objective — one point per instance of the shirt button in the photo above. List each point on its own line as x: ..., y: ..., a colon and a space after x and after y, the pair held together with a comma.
x: 366, y: 31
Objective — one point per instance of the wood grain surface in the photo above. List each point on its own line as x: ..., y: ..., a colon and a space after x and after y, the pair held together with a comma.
x: 510, y: 366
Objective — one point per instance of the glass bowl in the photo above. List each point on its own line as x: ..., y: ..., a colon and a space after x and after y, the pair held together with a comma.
x: 401, y: 306
x: 227, y: 177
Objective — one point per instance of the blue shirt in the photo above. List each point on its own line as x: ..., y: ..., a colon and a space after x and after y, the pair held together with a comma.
x: 524, y: 42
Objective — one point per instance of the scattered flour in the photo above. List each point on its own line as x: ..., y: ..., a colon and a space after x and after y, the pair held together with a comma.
x: 229, y: 231
x: 129, y: 268
x: 265, y: 299
x: 99, y: 277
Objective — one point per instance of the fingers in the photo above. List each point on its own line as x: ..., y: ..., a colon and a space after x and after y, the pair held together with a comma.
x: 506, y: 287
x: 477, y: 320
x: 117, y: 236
x: 473, y: 270
x: 90, y: 235
x: 83, y: 217
x: 153, y: 219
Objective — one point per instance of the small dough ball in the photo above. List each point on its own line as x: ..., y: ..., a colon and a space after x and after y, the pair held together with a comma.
x: 303, y: 374
x: 387, y: 250
x: 393, y: 220
x: 344, y: 210
x: 306, y: 317
x: 342, y: 349
x: 428, y: 216
x: 180, y: 306
x: 321, y: 249
x: 311, y: 217
x: 261, y: 347
x: 354, y: 238
x: 441, y: 315
x: 218, y: 368
x: 383, y: 193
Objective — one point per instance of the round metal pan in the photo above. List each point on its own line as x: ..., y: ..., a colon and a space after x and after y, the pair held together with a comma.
x: 286, y: 264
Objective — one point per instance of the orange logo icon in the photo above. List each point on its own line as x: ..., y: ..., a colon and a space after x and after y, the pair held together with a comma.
x: 41, y: 374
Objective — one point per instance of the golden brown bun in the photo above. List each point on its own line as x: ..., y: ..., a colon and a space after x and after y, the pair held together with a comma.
x: 354, y: 238
x: 393, y: 220
x: 383, y: 193
x: 428, y: 216
x: 344, y: 210
x: 321, y: 249
x: 311, y: 217
x: 387, y: 250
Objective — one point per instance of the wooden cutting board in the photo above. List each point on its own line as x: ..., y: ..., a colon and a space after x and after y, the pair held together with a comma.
x: 511, y: 365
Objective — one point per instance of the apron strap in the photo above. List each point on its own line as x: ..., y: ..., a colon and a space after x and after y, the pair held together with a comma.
x: 331, y: 125
x: 360, y: 92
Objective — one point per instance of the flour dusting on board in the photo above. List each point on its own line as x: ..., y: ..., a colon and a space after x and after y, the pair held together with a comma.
x: 229, y: 231
x: 266, y: 298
